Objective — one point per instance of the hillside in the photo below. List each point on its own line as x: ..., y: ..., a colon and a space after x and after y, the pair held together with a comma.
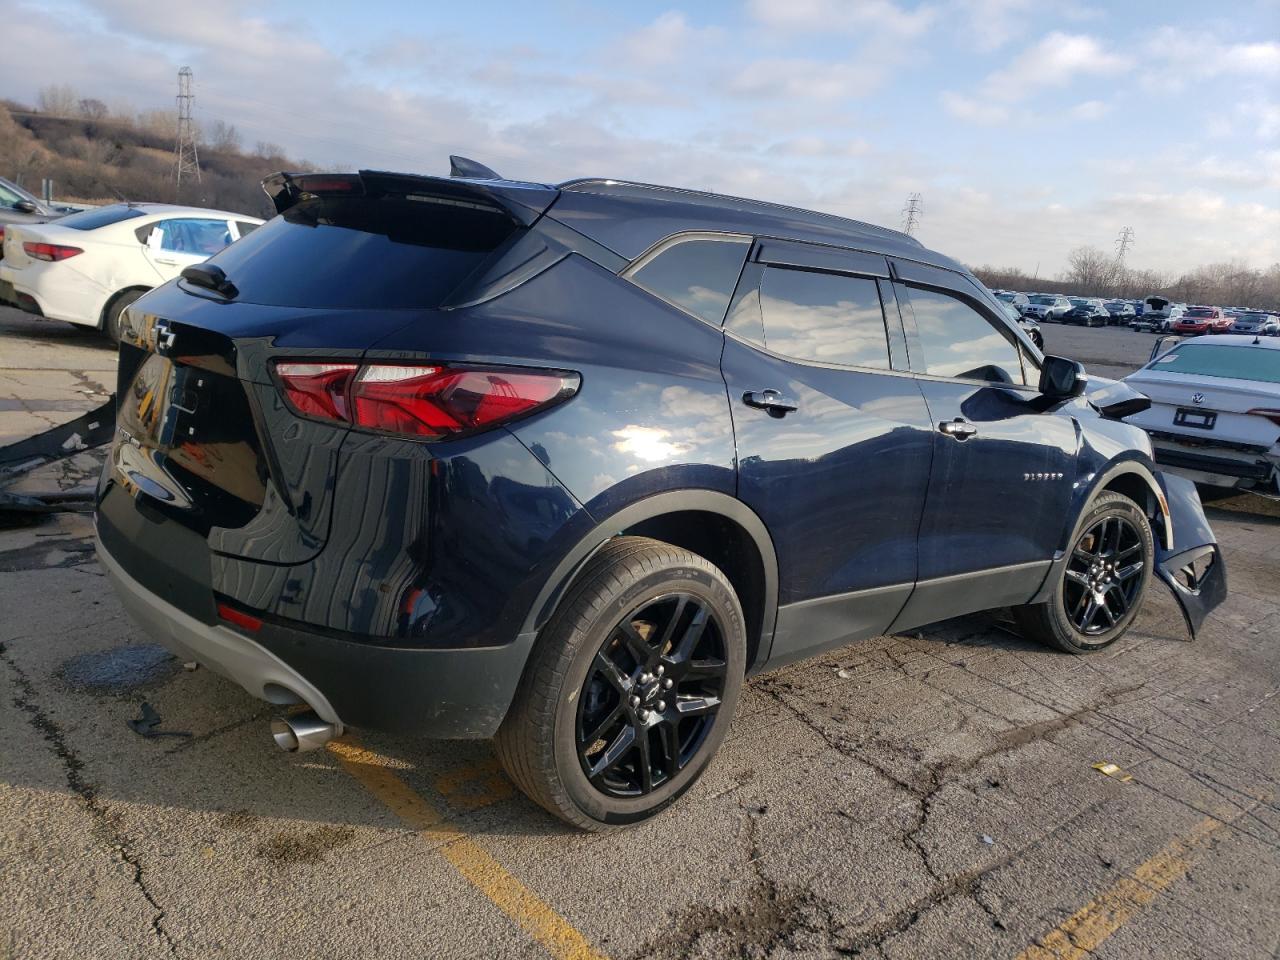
x: 100, y: 158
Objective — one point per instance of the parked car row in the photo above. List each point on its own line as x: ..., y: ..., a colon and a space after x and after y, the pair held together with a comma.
x: 86, y: 267
x: 1155, y: 314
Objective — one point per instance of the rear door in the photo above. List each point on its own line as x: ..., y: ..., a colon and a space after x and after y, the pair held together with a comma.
x: 179, y: 242
x: 833, y: 439
x: 1003, y: 467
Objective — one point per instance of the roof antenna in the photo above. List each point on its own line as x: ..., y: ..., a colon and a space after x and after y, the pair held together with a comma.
x: 463, y: 167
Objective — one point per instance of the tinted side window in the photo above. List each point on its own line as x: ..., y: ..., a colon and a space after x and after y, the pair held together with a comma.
x: 698, y: 275
x: 193, y: 235
x: 958, y: 341
x: 245, y: 227
x: 824, y: 317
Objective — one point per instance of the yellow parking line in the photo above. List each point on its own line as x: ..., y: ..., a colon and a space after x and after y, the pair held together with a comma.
x: 511, y: 896
x: 1085, y: 930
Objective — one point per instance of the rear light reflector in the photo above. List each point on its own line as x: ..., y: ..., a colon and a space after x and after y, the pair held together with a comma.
x: 241, y: 619
x: 418, y: 400
x: 50, y: 251
x: 1272, y: 415
x: 317, y: 389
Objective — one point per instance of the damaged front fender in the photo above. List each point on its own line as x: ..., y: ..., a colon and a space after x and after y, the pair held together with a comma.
x: 1191, y: 565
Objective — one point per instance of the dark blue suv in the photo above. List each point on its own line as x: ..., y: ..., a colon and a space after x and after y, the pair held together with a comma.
x: 562, y: 465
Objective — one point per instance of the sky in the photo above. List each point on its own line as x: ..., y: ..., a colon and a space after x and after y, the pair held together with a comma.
x: 1029, y: 127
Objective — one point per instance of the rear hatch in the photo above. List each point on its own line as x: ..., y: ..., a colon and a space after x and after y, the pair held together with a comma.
x: 206, y: 446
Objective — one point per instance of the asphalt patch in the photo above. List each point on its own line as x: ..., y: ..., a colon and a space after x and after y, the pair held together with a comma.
x: 120, y: 669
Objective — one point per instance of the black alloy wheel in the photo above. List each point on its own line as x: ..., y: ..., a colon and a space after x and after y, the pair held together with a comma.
x: 1103, y: 575
x: 1099, y: 586
x: 651, y: 695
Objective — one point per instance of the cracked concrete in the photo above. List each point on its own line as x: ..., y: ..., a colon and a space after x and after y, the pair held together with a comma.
x: 847, y: 815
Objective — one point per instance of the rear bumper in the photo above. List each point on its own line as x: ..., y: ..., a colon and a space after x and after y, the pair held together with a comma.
x: 436, y: 693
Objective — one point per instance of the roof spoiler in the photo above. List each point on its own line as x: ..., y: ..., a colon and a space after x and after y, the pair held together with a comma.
x: 523, y: 202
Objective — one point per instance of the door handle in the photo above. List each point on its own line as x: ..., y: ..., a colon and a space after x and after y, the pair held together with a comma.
x: 958, y: 428
x: 770, y: 400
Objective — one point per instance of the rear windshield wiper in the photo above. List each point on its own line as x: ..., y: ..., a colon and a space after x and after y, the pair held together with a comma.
x: 211, y: 277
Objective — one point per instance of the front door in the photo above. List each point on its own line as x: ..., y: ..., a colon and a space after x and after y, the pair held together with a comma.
x: 175, y: 244
x: 833, y: 440
x: 1003, y: 462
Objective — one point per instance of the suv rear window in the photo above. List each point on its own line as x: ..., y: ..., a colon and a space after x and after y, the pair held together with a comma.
x: 100, y: 217
x: 355, y: 252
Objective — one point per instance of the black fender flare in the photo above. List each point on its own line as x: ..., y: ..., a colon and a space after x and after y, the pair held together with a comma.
x: 672, y: 501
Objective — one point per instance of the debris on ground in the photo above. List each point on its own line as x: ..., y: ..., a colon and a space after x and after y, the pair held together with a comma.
x: 1111, y: 770
x: 145, y: 725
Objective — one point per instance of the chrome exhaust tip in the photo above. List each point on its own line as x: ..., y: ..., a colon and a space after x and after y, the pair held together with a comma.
x: 302, y: 732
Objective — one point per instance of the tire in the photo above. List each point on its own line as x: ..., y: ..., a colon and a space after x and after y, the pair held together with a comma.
x: 567, y: 696
x: 1118, y: 528
x: 111, y: 319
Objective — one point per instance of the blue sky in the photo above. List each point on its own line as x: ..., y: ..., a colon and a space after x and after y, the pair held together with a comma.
x: 1029, y: 126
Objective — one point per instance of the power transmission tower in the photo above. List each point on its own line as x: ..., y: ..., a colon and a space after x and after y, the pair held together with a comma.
x: 186, y: 156
x: 1123, y: 242
x: 912, y: 211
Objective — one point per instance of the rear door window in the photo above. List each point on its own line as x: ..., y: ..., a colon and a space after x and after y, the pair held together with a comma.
x: 824, y: 318
x: 958, y: 341
x: 195, y: 235
x: 390, y: 252
x: 697, y: 274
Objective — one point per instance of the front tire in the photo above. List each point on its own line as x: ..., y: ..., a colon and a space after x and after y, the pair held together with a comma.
x: 1101, y: 587
x: 630, y: 688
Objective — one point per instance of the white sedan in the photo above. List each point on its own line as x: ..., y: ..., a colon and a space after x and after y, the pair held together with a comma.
x: 1215, y: 410
x: 86, y: 268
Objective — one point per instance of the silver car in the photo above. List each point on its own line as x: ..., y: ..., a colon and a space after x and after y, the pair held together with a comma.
x: 1264, y: 324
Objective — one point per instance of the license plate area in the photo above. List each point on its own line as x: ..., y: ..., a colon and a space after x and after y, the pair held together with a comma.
x: 1199, y: 419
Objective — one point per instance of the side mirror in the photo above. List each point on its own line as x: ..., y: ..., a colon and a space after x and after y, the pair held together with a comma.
x: 1062, y: 379
x: 26, y: 206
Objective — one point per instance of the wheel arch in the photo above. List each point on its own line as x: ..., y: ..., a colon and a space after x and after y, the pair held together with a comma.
x: 713, y: 525
x: 111, y: 301
x: 1135, y: 480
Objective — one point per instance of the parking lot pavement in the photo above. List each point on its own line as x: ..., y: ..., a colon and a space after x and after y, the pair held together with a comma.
x: 925, y: 795
x: 1104, y: 351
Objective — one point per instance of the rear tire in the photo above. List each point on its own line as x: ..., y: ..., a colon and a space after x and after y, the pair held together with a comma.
x: 630, y: 687
x: 1101, y: 587
x: 111, y: 320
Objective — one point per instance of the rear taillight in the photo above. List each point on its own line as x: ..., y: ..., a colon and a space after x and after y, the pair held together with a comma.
x: 417, y: 400
x: 1272, y: 415
x: 50, y: 251
x: 317, y: 389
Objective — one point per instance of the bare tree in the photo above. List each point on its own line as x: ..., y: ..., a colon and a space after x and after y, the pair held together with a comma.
x: 92, y: 109
x: 58, y: 100
x: 267, y: 150
x: 224, y: 137
x: 1092, y: 269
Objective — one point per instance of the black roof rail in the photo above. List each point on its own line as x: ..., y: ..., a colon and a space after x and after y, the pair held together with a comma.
x: 722, y: 201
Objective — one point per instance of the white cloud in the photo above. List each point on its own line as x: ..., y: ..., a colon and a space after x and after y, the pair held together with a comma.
x: 1187, y: 56
x: 975, y: 110
x: 1090, y: 110
x: 843, y: 16
x: 667, y: 39
x: 1056, y: 61
x: 802, y: 79
x: 990, y: 24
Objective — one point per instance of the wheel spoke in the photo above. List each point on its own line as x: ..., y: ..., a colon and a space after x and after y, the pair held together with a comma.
x: 613, y: 753
x: 690, y: 706
x: 1090, y: 612
x: 645, y: 762
x: 612, y: 673
x: 669, y: 741
x: 1106, y: 611
x: 705, y: 668
x: 1128, y: 552
x: 639, y: 647
x: 669, y: 631
x: 692, y: 634
x: 1124, y: 573
x: 1083, y: 555
x: 1078, y: 577
x: 603, y: 726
